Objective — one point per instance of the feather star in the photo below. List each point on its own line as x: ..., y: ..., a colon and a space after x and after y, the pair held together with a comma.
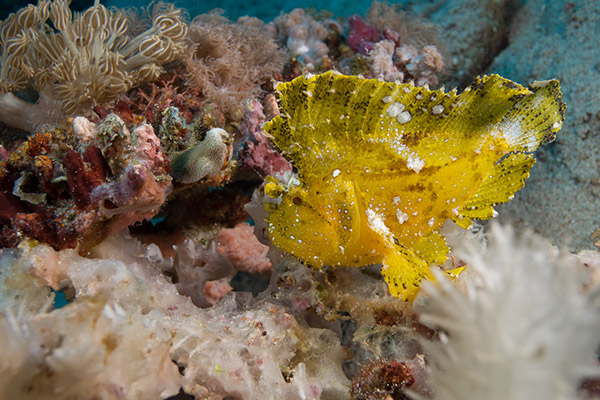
x: 381, y: 166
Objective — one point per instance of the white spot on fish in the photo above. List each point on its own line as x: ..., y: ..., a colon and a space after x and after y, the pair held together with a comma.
x: 539, y: 84
x: 395, y: 109
x: 437, y: 109
x: 376, y: 222
x: 415, y: 163
x: 402, y: 217
x: 404, y: 117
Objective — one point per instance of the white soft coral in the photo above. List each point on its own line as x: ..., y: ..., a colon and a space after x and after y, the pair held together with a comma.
x: 521, y: 327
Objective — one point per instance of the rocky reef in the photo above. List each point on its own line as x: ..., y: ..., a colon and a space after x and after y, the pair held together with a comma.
x: 193, y: 206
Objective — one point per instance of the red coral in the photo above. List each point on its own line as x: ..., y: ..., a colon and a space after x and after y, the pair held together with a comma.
x: 45, y: 226
x: 362, y: 35
x: 169, y: 90
x: 51, y: 192
x: 83, y: 180
x: 10, y: 205
x: 97, y: 164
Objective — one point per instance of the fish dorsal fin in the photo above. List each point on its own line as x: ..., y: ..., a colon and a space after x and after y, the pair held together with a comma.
x: 348, y: 121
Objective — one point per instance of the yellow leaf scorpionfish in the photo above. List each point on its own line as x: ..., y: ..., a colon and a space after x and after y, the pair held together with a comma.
x: 381, y: 166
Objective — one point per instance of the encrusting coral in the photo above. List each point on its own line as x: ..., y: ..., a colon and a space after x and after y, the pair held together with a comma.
x: 257, y: 154
x: 88, y: 60
x: 144, y: 340
x: 77, y: 184
x: 423, y: 157
x: 521, y: 323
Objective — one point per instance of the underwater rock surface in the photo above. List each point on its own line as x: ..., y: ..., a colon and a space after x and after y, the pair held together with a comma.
x: 560, y: 40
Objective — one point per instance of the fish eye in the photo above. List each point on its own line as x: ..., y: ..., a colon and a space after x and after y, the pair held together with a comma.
x: 297, y: 200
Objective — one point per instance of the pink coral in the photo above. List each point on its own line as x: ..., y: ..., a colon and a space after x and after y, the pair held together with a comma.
x: 142, y: 184
x: 258, y: 154
x: 195, y: 266
x: 215, y: 290
x: 148, y: 147
x: 382, y: 62
x: 136, y: 190
x: 422, y: 65
x: 243, y: 249
x: 416, y: 52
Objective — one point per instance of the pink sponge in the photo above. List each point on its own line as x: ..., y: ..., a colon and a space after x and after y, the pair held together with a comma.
x: 243, y: 250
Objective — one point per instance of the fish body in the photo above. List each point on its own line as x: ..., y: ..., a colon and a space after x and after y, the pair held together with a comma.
x: 381, y: 166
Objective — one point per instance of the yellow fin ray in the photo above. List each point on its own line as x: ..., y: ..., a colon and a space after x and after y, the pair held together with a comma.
x: 504, y: 180
x: 534, y: 119
x: 403, y: 271
x: 296, y: 226
x: 432, y: 249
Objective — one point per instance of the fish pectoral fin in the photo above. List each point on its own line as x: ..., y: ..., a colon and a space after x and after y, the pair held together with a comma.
x: 403, y: 271
x: 504, y: 180
x: 454, y: 272
x: 432, y: 249
x: 345, y: 214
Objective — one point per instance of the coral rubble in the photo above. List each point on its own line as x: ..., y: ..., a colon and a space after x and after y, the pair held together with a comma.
x: 126, y: 309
